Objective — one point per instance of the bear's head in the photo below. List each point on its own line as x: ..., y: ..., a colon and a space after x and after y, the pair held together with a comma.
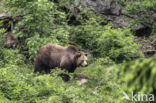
x: 81, y: 59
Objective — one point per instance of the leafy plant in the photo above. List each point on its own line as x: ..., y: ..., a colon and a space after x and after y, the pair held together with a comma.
x: 118, y: 44
x: 138, y: 76
x: 144, y: 9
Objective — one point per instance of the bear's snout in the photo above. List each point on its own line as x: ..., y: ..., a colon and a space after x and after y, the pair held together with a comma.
x: 84, y: 64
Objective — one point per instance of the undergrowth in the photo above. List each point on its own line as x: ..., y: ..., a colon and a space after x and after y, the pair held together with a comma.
x: 110, y: 69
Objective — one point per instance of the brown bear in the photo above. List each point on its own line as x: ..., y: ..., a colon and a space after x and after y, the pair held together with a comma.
x: 52, y: 55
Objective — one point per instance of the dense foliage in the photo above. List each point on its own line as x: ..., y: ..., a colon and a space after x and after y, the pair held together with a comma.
x: 103, y: 41
x: 21, y: 85
x: 144, y: 9
x: 39, y: 22
x: 140, y: 75
x: 38, y: 27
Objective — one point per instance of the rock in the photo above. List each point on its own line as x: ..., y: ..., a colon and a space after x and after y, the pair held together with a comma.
x: 148, y: 45
x: 10, y: 41
x: 4, y: 16
x: 82, y: 81
x: 112, y: 11
x: 81, y: 78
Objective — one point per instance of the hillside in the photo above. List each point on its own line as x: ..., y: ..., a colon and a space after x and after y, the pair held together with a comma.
x: 121, y: 58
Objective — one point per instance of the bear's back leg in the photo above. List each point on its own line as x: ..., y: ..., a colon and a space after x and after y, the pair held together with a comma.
x: 38, y: 67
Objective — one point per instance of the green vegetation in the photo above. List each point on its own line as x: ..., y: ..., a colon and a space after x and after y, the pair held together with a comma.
x: 140, y: 75
x: 115, y: 64
x: 104, y: 41
x: 141, y: 7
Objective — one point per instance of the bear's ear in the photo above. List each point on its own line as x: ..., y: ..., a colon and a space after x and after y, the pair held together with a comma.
x: 71, y: 48
x: 78, y: 54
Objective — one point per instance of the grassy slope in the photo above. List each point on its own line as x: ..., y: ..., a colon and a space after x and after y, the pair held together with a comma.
x: 19, y: 84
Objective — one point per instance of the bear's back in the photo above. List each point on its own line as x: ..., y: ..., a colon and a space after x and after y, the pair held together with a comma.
x: 52, y: 48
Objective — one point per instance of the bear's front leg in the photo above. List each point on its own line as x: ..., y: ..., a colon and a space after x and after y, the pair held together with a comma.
x: 65, y: 65
x: 65, y: 77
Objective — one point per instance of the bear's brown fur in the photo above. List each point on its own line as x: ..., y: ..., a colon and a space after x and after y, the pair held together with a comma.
x: 52, y: 55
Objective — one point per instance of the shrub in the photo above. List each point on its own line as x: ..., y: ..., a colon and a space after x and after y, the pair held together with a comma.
x: 35, y: 43
x: 144, y: 9
x: 117, y: 44
x: 36, y: 16
x: 58, y: 36
x: 3, y: 99
x: 10, y: 57
x: 19, y: 84
x: 139, y: 76
x: 25, y: 87
x: 104, y: 61
x: 36, y: 26
x: 2, y: 36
